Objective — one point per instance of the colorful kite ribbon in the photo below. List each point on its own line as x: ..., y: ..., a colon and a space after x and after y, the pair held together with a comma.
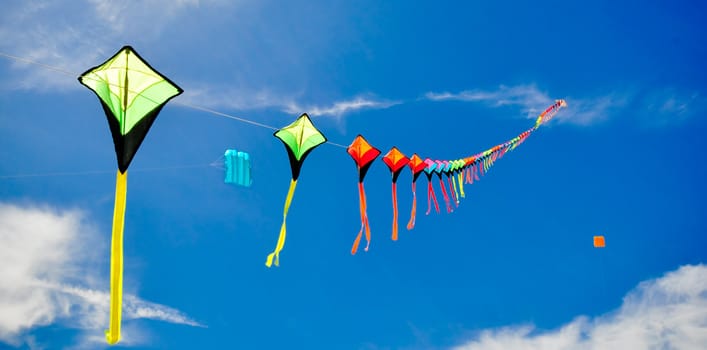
x: 417, y: 166
x: 459, y: 164
x: 429, y: 170
x: 396, y: 162
x: 447, y: 171
x: 132, y: 94
x: 549, y: 113
x: 363, y: 154
x: 299, y: 138
x: 439, y: 170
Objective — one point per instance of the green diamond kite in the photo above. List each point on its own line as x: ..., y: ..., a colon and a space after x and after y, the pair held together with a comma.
x: 300, y: 138
x: 132, y: 94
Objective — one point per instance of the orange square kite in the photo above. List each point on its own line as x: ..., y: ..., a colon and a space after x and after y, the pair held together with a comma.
x: 599, y: 242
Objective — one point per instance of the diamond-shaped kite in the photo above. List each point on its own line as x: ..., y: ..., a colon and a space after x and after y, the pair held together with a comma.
x: 417, y: 165
x: 396, y: 162
x: 299, y: 138
x: 132, y: 94
x: 363, y: 154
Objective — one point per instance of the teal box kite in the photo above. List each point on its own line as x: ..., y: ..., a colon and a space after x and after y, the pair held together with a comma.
x: 237, y: 168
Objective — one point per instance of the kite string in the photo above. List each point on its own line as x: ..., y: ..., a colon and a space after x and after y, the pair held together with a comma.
x: 26, y: 60
x: 98, y: 172
x: 188, y: 105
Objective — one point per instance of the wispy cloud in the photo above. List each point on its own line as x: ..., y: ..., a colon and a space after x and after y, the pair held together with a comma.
x: 339, y: 108
x: 654, y: 107
x: 532, y: 101
x: 85, y: 34
x: 241, y: 99
x: 526, y: 96
x: 47, y: 260
x: 665, y: 313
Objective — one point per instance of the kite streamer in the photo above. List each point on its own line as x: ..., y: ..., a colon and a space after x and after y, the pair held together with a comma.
x: 438, y: 170
x: 283, y: 228
x: 429, y: 170
x: 116, y: 259
x: 132, y: 95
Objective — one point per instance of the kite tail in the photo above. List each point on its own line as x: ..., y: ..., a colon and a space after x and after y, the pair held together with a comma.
x: 460, y: 183
x: 476, y: 171
x: 116, y: 259
x: 469, y: 178
x: 446, y: 197
x: 395, y: 214
x: 455, y: 194
x: 431, y: 196
x: 283, y: 231
x: 364, y: 221
x: 411, y: 223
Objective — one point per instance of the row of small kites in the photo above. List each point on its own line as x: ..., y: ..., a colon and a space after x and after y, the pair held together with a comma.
x: 132, y: 94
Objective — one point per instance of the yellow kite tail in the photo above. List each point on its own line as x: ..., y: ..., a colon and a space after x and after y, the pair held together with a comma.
x: 281, y: 240
x: 456, y: 193
x: 116, y: 258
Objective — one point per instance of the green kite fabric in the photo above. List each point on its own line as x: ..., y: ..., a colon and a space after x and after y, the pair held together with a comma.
x: 132, y: 94
x: 300, y: 138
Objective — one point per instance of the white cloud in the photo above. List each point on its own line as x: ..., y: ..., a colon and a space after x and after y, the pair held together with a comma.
x: 526, y: 96
x: 85, y: 34
x: 669, y: 312
x: 229, y: 98
x: 47, y: 265
x: 656, y: 107
x: 532, y: 101
x: 339, y: 108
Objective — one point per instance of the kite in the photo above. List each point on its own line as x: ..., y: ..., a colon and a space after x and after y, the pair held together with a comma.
x: 459, y: 168
x: 237, y: 168
x: 396, y: 162
x: 439, y: 169
x: 430, y: 167
x: 363, y: 154
x: 299, y: 138
x: 417, y: 165
x: 549, y: 113
x: 132, y: 94
x: 447, y: 171
x: 599, y: 242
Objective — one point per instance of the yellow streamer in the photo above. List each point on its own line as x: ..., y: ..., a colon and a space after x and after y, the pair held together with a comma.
x: 116, y: 259
x: 460, y: 183
x: 281, y: 240
x: 454, y: 186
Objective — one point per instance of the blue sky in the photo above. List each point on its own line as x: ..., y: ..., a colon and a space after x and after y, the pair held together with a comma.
x: 512, y: 267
